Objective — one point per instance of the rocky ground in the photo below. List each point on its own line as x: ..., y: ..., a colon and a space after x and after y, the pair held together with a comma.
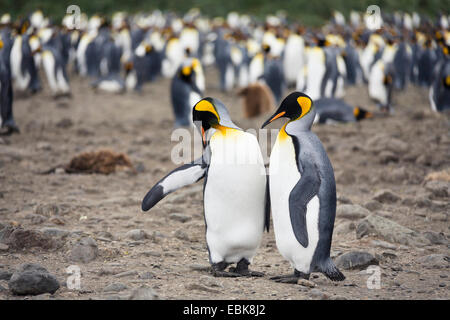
x: 393, y: 204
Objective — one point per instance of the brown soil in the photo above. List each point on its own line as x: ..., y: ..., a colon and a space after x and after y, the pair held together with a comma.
x: 105, y: 207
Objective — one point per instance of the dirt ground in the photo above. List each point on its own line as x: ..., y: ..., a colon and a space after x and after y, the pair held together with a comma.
x: 106, y: 207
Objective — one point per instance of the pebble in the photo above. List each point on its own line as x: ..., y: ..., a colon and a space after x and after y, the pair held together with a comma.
x: 143, y: 293
x: 147, y: 275
x: 3, y: 247
x: 55, y: 232
x: 317, y: 294
x: 383, y: 244
x: 436, y: 237
x: 47, y: 210
x: 351, y: 211
x: 386, y: 196
x: 435, y: 261
x: 355, y: 260
x: 84, y: 251
x: 126, y: 274
x: 32, y: 279
x: 36, y: 218
x: 116, y: 287
x: 199, y: 287
x: 5, y: 275
x: 373, y: 205
x: 137, y: 234
x: 179, y: 217
x: 306, y: 283
x: 181, y: 235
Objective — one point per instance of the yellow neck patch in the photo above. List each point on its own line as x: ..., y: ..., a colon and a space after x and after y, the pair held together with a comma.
x: 447, y: 80
x: 186, y: 70
x: 282, y: 135
x: 356, y: 112
x: 205, y: 105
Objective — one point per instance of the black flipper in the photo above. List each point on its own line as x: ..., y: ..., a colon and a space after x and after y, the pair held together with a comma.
x: 267, y: 208
x: 305, y: 189
x: 183, y: 176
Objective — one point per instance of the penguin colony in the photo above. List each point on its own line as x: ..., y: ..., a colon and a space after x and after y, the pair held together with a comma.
x: 124, y: 52
x: 263, y: 59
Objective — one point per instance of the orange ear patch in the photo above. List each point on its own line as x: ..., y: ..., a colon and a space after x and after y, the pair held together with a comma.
x: 304, y: 103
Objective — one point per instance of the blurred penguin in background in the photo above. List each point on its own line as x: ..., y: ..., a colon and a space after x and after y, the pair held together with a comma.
x: 330, y: 110
x: 185, y: 91
x: 7, y: 123
x: 439, y: 94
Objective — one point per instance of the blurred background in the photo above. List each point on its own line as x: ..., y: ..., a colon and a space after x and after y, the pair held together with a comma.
x: 310, y: 12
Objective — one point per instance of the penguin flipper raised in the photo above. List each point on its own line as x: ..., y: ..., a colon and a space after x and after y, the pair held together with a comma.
x: 185, y: 175
x: 305, y: 189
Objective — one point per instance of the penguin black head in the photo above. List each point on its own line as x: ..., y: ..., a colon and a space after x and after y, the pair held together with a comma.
x: 361, y: 113
x: 295, y: 106
x: 211, y: 113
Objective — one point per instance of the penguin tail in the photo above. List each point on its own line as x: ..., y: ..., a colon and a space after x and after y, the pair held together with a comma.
x: 332, y: 272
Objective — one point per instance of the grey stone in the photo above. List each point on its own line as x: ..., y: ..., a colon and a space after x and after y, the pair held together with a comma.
x: 147, y: 275
x: 55, y: 232
x: 19, y: 238
x: 383, y: 244
x: 437, y: 188
x: 115, y: 287
x: 126, y: 274
x: 137, y: 234
x: 181, y: 234
x: 351, y: 211
x: 373, y: 205
x: 47, y: 210
x: 435, y: 261
x: 306, y: 283
x: 317, y: 294
x: 179, y: 217
x: 345, y: 227
x: 355, y: 260
x: 36, y: 218
x: 199, y: 287
x: 386, y: 196
x: 5, y: 275
x: 3, y: 247
x: 390, y: 231
x: 32, y: 279
x: 210, y: 282
x: 84, y: 251
x: 435, y: 237
x: 143, y: 293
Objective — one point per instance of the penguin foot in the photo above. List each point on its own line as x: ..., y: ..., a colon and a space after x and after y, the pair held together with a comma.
x: 9, y: 130
x: 218, y: 270
x: 243, y: 270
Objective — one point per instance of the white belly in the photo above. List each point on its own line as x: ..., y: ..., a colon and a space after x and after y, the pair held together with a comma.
x: 284, y: 175
x: 234, y: 198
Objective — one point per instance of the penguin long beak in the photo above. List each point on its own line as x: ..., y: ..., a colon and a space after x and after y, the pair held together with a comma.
x: 275, y: 117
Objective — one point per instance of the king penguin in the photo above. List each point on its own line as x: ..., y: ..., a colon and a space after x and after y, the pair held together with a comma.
x: 302, y: 193
x: 6, y: 93
x: 235, y: 195
x: 185, y: 92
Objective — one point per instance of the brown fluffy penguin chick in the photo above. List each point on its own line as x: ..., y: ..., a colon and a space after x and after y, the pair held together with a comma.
x: 257, y: 99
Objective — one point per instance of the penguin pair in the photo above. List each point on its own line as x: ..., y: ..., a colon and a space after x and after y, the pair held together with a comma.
x: 186, y: 90
x: 237, y: 199
x: 329, y: 110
